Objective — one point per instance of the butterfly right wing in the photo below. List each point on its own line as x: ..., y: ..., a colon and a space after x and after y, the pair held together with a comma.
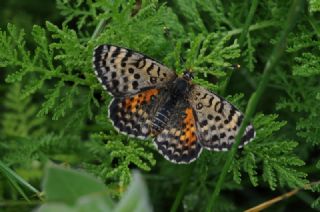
x: 124, y: 72
x: 218, y: 121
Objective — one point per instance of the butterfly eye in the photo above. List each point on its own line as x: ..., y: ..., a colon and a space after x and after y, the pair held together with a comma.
x: 199, y: 106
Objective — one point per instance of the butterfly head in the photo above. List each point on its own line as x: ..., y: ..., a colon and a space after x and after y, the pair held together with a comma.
x: 182, y: 84
x: 188, y: 75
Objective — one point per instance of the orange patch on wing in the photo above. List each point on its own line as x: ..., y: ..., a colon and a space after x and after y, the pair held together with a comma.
x: 131, y: 103
x: 189, y: 134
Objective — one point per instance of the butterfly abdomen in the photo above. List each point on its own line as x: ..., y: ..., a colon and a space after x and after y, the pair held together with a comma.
x: 178, y: 91
x: 162, y: 116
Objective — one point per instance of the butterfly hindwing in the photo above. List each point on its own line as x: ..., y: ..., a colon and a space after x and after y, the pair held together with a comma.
x: 178, y: 142
x: 132, y: 115
x: 218, y: 121
x: 124, y: 72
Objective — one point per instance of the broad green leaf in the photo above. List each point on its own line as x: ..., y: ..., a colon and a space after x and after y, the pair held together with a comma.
x: 65, y: 185
x: 136, y: 198
x: 95, y: 202
x: 53, y: 207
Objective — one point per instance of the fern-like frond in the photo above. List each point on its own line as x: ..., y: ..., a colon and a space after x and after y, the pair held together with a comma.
x: 118, y: 154
x: 273, y: 155
x: 19, y: 119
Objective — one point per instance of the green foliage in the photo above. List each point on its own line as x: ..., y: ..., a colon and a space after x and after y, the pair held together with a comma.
x: 16, y: 181
x: 303, y: 92
x: 304, y: 89
x: 314, y: 6
x: 121, y: 152
x: 207, y: 56
x: 55, y: 110
x: 274, y: 154
x: 316, y: 188
x: 19, y: 117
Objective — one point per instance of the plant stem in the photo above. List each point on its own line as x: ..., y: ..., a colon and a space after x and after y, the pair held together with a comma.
x: 294, y: 11
x: 15, y: 179
x: 98, y: 29
x: 253, y: 27
x: 298, y: 192
x: 245, y: 29
x: 268, y: 203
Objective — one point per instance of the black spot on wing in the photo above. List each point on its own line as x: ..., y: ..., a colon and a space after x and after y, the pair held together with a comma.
x: 204, y: 96
x: 218, y: 107
x: 231, y: 114
x: 210, y: 101
x: 149, y: 69
x: 222, y: 135
x: 215, y: 138
x: 135, y: 84
x: 136, y: 76
x: 125, y: 58
x: 240, y: 118
x: 131, y: 70
x: 140, y: 63
x: 116, y: 52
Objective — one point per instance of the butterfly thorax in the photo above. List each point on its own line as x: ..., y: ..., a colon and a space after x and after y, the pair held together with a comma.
x: 181, y: 87
x: 179, y: 90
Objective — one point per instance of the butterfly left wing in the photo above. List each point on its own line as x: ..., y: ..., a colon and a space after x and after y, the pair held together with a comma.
x: 124, y: 72
x: 178, y: 142
x: 218, y: 121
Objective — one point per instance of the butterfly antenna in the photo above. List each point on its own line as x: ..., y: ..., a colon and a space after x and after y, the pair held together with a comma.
x: 233, y: 67
x: 182, y: 60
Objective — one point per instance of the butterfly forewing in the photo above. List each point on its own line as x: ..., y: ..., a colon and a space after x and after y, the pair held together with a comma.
x: 124, y: 72
x: 218, y: 121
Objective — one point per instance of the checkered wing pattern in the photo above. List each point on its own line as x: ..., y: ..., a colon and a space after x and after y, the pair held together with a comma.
x: 178, y: 142
x: 132, y: 115
x: 218, y: 121
x: 124, y: 72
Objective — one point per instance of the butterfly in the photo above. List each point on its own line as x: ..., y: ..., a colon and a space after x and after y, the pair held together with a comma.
x: 151, y: 100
